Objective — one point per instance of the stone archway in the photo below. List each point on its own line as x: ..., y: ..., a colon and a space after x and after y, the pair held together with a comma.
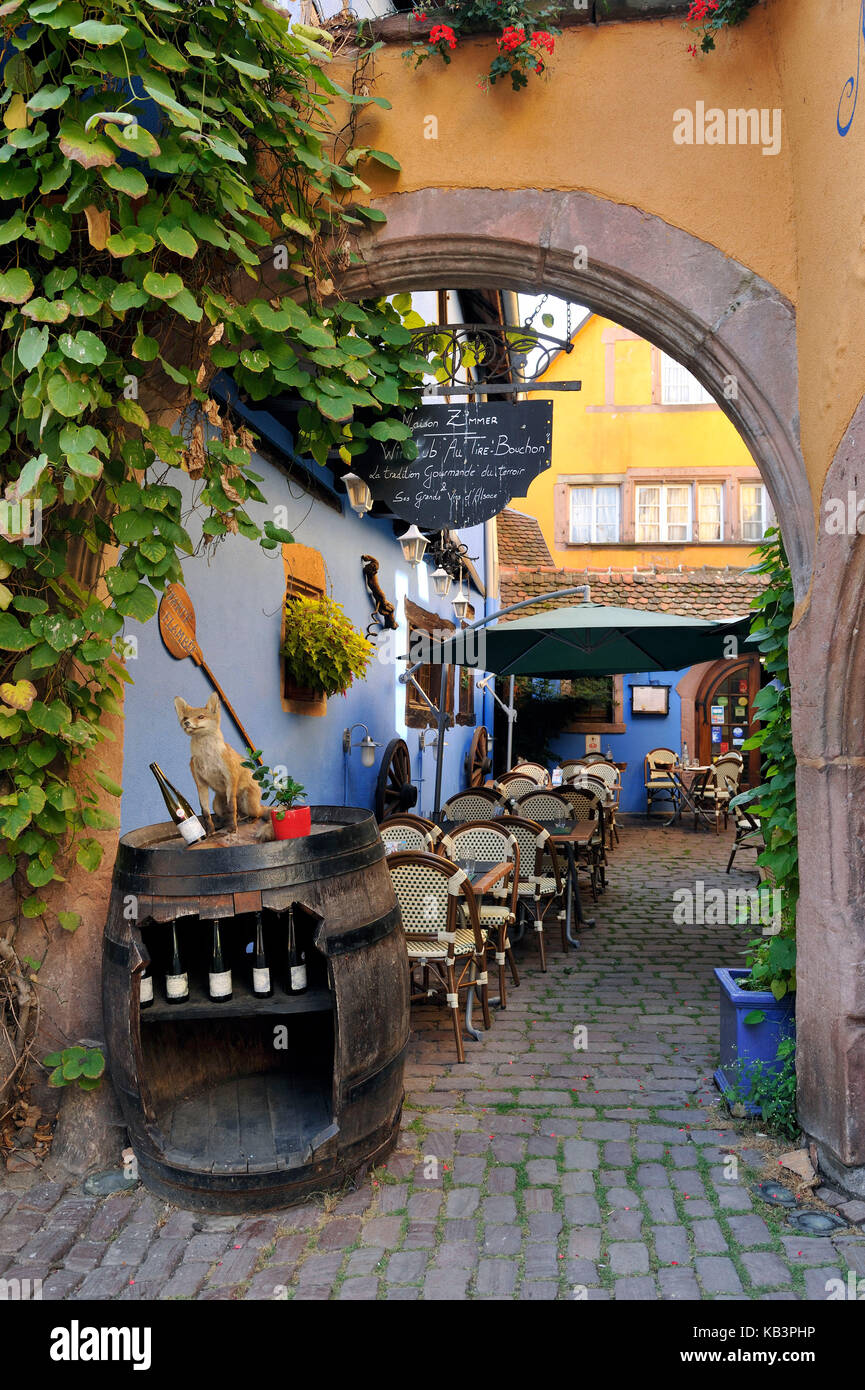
x: 731, y: 328
x: 737, y: 334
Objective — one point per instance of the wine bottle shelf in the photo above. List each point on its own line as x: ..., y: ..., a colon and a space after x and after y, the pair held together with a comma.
x: 242, y: 1004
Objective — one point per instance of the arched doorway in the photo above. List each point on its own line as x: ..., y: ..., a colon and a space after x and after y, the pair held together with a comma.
x: 723, y: 712
x: 737, y: 334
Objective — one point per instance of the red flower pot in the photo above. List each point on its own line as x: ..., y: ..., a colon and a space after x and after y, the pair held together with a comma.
x: 290, y: 823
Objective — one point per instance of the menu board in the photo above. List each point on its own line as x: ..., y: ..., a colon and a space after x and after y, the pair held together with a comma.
x: 471, y: 460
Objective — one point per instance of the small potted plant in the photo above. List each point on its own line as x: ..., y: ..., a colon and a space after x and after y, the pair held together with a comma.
x: 289, y: 820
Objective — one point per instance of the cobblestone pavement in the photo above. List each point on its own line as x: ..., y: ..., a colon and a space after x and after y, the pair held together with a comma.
x: 534, y: 1171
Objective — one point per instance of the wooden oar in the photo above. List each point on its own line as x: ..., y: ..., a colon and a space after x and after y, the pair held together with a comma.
x: 177, y: 629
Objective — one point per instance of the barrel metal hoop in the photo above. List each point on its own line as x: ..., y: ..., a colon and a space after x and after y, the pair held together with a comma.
x: 356, y: 1090
x: 358, y: 937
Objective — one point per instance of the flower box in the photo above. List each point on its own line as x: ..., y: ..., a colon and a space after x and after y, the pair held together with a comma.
x: 743, y: 1044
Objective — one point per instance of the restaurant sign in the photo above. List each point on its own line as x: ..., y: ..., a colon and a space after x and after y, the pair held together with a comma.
x: 472, y: 459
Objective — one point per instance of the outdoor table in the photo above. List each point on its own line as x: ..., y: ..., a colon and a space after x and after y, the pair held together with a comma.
x: 690, y: 783
x: 568, y: 835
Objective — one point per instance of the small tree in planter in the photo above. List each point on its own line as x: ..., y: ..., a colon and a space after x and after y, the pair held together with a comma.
x: 758, y: 1000
x: 289, y: 820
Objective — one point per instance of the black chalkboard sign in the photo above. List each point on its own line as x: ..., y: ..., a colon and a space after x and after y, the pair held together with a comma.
x: 472, y: 459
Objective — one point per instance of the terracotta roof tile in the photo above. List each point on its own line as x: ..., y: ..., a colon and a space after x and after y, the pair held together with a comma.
x: 521, y: 540
x: 703, y: 593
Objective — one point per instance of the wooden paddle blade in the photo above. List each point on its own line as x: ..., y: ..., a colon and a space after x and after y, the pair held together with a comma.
x: 177, y: 624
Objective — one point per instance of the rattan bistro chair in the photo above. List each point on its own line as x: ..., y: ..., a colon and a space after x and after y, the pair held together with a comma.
x: 513, y: 784
x: 431, y: 891
x: 538, y: 773
x: 540, y: 884
x: 490, y: 842
x: 659, y: 783
x: 586, y: 805
x: 610, y: 778
x: 714, y: 796
x: 405, y: 832
x: 479, y: 803
x: 749, y: 830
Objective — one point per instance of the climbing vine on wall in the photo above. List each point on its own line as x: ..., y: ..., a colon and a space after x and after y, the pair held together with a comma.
x: 178, y: 185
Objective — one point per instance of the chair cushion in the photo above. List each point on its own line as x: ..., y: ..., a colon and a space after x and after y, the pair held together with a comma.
x: 434, y: 949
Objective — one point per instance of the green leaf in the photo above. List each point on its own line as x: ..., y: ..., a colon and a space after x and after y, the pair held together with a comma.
x: 14, y: 637
x: 127, y: 296
x: 32, y: 471
x: 248, y: 69
x: 129, y: 181
x: 92, y: 31
x: 162, y: 286
x: 82, y: 439
x: 68, y: 397
x: 13, y: 227
x: 384, y: 158
x: 114, y: 788
x: 49, y: 98
x: 16, y: 286
x: 83, y: 347
x: 34, y: 906
x: 85, y: 465
x: 32, y: 346
x: 89, y: 855
x: 47, y: 310
x: 69, y: 921
x: 185, y: 305
x: 89, y: 149
x: 50, y: 719
x: 141, y: 603
x: 175, y: 236
x: 133, y: 526
x: 93, y: 1064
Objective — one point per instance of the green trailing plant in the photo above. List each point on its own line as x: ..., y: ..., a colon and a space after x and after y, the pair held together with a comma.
x: 706, y: 19
x: 525, y: 42
x: 323, y: 649
x: 772, y: 959
x: 772, y: 1088
x: 283, y: 791
x: 178, y: 186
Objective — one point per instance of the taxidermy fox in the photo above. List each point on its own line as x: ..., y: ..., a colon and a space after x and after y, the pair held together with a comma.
x: 216, y: 767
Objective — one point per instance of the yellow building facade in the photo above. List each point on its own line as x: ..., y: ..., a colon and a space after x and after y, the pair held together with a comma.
x: 646, y: 468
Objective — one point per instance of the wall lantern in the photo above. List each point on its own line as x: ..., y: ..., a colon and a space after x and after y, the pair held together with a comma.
x: 367, y: 745
x: 413, y: 543
x: 359, y: 495
x: 441, y: 582
x: 461, y: 602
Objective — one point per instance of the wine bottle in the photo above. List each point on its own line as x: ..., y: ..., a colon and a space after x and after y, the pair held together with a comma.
x: 145, y: 988
x: 261, y: 986
x: 296, y: 960
x: 219, y: 979
x: 179, y: 809
x: 176, y: 981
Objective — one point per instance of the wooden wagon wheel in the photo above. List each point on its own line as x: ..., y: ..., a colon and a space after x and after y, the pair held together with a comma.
x: 478, y: 762
x: 394, y: 791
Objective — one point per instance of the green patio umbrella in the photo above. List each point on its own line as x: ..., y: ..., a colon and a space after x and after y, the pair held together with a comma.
x: 593, y: 639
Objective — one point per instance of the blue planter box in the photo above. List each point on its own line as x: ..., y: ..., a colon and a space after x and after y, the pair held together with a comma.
x: 743, y: 1043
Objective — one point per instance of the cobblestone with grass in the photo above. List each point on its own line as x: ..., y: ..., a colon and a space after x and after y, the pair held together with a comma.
x: 556, y: 1163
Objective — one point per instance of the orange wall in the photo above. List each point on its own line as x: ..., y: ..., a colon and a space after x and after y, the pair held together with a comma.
x: 604, y: 123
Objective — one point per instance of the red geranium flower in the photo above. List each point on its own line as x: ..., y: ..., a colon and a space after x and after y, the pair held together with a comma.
x: 541, y: 39
x: 511, y: 38
x: 702, y: 9
x: 442, y: 33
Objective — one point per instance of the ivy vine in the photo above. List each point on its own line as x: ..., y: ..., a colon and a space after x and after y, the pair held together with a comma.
x: 178, y: 186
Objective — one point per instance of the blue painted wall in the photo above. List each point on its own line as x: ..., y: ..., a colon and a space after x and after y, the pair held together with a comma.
x: 643, y: 732
x: 237, y: 590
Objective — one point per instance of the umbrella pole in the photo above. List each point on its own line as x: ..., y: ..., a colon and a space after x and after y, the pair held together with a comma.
x: 440, y: 741
x: 510, y: 724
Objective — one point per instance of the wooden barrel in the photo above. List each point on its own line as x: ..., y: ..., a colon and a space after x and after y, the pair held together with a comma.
x: 253, y: 1103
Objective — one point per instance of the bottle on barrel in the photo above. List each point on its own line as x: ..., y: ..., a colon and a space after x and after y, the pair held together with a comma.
x: 177, y: 980
x: 145, y: 988
x: 219, y: 979
x: 296, y: 959
x: 179, y: 809
x: 261, y: 985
